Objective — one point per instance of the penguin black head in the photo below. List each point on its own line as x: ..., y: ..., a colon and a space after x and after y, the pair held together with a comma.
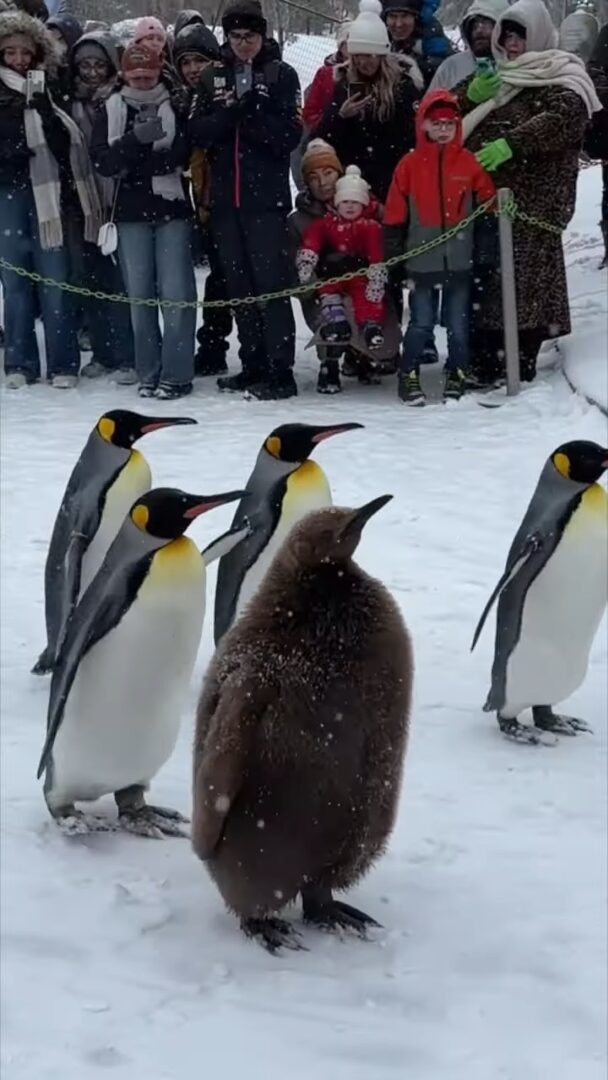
x: 120, y: 427
x: 166, y: 513
x: 330, y: 535
x: 294, y: 443
x: 581, y: 461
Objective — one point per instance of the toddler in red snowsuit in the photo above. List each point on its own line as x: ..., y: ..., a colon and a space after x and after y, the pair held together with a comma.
x: 348, y: 230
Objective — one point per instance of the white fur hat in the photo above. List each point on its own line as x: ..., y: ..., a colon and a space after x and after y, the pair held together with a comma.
x: 368, y: 34
x: 352, y: 187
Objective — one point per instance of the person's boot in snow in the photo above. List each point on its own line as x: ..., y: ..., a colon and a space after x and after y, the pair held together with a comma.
x: 373, y: 335
x: 368, y: 373
x: 455, y: 385
x: 274, y: 388
x: 236, y: 384
x: 604, y: 228
x: 328, y: 381
x: 171, y: 391
x: 410, y: 390
x: 210, y: 361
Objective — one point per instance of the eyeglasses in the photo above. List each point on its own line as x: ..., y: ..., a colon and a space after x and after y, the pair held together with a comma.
x: 443, y: 125
x: 247, y: 38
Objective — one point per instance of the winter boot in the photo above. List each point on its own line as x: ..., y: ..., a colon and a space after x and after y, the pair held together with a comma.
x: 455, y: 385
x: 350, y: 364
x: 368, y: 373
x: 373, y: 335
x: 410, y: 390
x: 329, y: 378
x: 209, y: 362
x: 235, y: 384
x: 171, y: 391
x: 274, y: 388
x: 604, y: 228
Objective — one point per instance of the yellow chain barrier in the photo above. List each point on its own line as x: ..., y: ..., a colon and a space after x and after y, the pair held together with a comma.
x: 297, y: 290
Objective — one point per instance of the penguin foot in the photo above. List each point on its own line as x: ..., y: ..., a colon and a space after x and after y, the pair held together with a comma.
x: 547, y: 720
x: 320, y: 909
x: 273, y: 934
x: 43, y: 664
x: 153, y: 822
x: 525, y: 733
x: 73, y: 822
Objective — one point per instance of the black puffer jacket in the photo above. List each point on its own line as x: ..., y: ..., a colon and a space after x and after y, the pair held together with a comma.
x: 376, y: 146
x: 134, y: 165
x: 249, y: 143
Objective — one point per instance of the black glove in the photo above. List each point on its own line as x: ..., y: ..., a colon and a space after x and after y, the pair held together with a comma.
x: 148, y: 131
x: 42, y: 104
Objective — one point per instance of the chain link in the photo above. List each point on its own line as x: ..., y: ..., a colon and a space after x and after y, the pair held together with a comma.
x: 297, y: 290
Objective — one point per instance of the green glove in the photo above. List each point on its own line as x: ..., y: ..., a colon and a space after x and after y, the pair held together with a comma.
x: 484, y: 86
x: 494, y: 154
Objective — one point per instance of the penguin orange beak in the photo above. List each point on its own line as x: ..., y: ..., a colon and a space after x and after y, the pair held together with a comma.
x: 200, y: 504
x: 335, y: 429
x: 155, y: 423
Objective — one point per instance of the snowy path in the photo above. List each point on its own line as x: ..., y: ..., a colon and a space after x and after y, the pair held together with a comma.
x: 117, y: 956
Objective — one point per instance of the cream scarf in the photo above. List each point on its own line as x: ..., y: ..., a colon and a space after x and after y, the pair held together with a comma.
x: 169, y: 185
x: 533, y: 70
x: 44, y: 171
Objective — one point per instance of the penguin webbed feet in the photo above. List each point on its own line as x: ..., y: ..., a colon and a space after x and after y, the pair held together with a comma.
x: 547, y: 720
x: 320, y: 909
x: 135, y: 815
x: 273, y: 934
x: 525, y: 733
x: 73, y: 822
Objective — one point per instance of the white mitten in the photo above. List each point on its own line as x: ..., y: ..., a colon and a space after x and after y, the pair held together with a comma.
x: 377, y: 278
x: 306, y: 260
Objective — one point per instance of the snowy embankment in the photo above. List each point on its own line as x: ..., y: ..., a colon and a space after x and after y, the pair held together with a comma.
x: 117, y: 956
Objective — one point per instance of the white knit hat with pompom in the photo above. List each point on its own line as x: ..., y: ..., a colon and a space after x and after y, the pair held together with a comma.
x: 352, y: 187
x: 368, y: 34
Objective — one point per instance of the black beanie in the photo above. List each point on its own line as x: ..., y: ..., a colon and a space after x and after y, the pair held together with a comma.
x: 195, y: 38
x: 391, y: 6
x: 244, y: 15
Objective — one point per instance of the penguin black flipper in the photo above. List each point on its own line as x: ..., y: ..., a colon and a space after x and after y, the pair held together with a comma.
x: 101, y: 608
x: 517, y: 561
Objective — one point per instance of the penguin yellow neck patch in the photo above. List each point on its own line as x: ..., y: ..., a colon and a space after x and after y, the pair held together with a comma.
x: 273, y: 446
x: 106, y: 428
x: 140, y: 515
x: 562, y: 464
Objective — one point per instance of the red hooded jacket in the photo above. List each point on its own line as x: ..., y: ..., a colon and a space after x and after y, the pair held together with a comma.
x: 433, y: 188
x: 317, y: 96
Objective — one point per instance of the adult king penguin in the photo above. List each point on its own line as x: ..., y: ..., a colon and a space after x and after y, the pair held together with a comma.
x: 126, y: 661
x: 283, y: 487
x: 552, y: 595
x: 105, y: 482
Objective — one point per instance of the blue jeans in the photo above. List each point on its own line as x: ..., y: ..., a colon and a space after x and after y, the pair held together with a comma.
x: 423, y: 314
x: 20, y: 245
x: 156, y: 260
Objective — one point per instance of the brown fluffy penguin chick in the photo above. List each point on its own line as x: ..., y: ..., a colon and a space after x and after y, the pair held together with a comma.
x: 301, y: 732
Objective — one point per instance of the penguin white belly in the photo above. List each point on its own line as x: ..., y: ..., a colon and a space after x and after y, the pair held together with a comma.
x: 122, y: 716
x: 132, y: 481
x: 307, y: 490
x: 562, y: 611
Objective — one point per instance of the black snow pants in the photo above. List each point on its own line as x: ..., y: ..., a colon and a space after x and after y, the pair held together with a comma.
x: 253, y: 253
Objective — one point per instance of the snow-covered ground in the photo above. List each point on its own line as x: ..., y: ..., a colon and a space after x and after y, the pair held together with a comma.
x: 117, y: 956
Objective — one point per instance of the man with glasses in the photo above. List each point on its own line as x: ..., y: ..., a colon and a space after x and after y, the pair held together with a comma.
x: 247, y: 115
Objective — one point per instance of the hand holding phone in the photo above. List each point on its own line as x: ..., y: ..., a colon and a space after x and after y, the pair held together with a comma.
x: 356, y: 89
x: 148, y: 130
x: 35, y: 83
x: 242, y: 80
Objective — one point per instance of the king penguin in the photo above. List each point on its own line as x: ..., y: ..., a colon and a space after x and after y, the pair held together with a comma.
x: 105, y: 482
x: 126, y: 661
x: 552, y: 595
x: 283, y: 487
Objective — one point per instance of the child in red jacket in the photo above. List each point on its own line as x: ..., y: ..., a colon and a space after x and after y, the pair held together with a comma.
x: 348, y: 230
x: 434, y: 187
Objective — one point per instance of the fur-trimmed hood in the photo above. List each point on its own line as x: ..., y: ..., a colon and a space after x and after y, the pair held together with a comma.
x: 17, y: 22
